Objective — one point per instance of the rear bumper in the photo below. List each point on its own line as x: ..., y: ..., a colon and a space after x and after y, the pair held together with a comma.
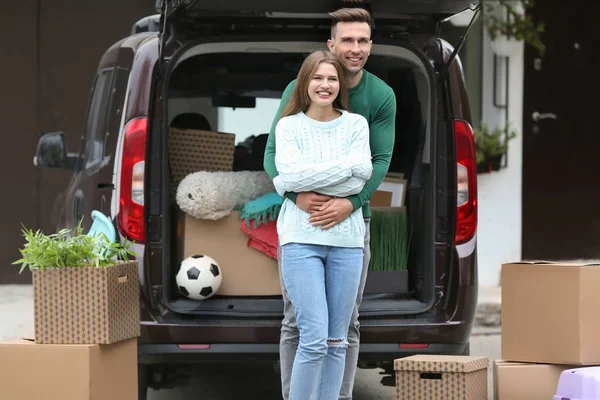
x: 231, y: 344
x: 370, y: 352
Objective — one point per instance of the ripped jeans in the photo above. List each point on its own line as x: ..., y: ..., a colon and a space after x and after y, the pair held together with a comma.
x: 322, y: 285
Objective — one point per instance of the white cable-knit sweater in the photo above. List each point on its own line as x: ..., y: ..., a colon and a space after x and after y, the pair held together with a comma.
x: 330, y: 158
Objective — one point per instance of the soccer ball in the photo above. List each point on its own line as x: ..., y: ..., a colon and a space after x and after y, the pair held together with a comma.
x: 199, y: 277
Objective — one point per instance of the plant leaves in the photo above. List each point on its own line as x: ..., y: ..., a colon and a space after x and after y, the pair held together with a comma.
x: 520, y: 27
x: 70, y: 248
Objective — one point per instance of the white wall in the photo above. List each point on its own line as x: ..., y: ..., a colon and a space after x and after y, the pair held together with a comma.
x: 499, y: 232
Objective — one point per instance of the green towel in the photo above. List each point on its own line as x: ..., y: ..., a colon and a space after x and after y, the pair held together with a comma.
x: 261, y: 210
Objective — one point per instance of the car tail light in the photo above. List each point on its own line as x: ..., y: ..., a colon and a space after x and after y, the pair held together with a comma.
x: 466, y: 182
x: 131, y: 212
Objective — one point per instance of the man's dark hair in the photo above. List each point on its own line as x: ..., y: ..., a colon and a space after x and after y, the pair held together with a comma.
x: 349, y: 14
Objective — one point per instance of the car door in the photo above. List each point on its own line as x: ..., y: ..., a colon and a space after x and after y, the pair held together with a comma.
x: 91, y: 187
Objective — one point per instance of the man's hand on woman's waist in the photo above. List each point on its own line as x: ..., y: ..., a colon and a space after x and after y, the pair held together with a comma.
x: 332, y: 213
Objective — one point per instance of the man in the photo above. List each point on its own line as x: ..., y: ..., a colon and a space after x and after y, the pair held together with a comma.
x: 375, y: 100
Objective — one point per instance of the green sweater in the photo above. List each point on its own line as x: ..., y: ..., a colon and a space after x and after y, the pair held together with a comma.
x: 373, y: 99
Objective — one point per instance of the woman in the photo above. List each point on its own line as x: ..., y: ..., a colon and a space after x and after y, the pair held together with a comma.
x: 321, y: 147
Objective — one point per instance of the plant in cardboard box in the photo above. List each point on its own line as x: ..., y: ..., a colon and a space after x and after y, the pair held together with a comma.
x: 62, y: 249
x: 85, y: 287
x: 491, y: 146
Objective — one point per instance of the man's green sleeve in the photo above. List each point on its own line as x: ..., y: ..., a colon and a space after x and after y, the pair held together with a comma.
x: 269, y: 160
x: 381, y: 139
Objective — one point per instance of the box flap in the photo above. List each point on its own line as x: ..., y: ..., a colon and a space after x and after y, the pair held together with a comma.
x: 25, y: 341
x: 546, y: 262
x: 438, y: 363
x: 537, y: 365
x: 503, y: 362
x: 12, y: 342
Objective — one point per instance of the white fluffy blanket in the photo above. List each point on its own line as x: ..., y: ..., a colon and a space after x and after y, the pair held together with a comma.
x: 213, y: 195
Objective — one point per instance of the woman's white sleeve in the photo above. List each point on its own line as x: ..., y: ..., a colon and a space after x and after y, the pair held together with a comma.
x: 296, y: 174
x: 362, y: 167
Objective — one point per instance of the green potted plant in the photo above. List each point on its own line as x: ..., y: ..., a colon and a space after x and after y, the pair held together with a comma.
x: 491, y: 146
x: 507, y: 22
x: 63, y: 249
x: 85, y: 287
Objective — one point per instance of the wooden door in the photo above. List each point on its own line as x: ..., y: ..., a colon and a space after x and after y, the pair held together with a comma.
x: 561, y: 135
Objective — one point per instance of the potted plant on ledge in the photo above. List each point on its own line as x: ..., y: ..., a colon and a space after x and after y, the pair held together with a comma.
x: 490, y: 147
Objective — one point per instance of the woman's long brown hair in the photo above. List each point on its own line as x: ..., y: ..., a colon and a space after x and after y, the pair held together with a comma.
x: 299, y: 100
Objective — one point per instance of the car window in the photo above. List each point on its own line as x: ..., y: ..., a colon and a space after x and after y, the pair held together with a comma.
x: 105, y: 113
x: 246, y: 122
x: 113, y: 119
x: 97, y: 122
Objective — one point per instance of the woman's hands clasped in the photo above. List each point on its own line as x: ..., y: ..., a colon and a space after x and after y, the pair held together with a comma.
x: 325, y: 211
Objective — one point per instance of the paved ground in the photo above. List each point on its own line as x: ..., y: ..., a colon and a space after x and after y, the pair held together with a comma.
x: 261, y: 382
x: 240, y: 381
x: 16, y: 311
x: 488, y: 309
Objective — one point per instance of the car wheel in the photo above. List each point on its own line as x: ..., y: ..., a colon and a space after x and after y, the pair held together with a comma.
x: 143, y: 381
x: 388, y: 376
x: 467, y: 350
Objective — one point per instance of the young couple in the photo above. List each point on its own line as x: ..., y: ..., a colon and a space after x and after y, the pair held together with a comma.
x: 329, y: 148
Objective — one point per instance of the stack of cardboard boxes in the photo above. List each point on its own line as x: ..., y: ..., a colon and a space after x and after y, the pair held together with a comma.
x: 86, y: 324
x: 549, y: 324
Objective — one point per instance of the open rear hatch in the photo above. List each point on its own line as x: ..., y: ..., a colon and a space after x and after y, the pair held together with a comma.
x: 405, y: 16
x: 432, y: 10
x: 186, y: 61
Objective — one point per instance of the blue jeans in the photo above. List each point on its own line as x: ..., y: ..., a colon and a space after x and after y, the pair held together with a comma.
x: 289, y: 339
x: 322, y: 285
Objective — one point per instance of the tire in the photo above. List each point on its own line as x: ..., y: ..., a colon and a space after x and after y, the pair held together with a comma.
x: 467, y: 351
x: 389, y: 375
x: 143, y: 381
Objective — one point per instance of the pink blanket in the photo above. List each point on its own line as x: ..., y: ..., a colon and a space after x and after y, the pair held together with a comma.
x: 263, y: 237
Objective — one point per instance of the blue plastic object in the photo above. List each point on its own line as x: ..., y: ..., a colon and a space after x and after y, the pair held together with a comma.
x: 102, y: 224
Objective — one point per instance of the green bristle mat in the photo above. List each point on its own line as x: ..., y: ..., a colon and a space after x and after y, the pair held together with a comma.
x: 389, y: 239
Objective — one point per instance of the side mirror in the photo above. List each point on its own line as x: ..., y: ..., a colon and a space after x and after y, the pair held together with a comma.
x: 52, y: 152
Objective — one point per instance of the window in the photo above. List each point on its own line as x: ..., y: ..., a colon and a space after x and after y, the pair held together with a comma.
x: 113, y: 122
x: 246, y: 122
x: 97, y: 122
x: 105, y: 113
